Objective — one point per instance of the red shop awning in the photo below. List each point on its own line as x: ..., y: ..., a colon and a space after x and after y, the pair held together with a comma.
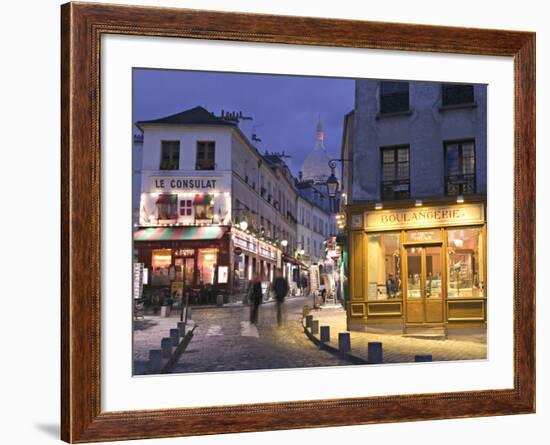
x: 167, y: 199
x: 203, y: 199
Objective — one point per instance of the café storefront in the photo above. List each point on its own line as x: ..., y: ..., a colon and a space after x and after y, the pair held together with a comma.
x: 194, y: 258
x: 418, y: 267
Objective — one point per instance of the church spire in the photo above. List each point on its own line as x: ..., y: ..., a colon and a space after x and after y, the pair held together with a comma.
x: 320, y: 133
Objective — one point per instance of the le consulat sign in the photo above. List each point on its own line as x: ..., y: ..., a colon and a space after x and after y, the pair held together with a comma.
x: 184, y: 184
x: 440, y: 216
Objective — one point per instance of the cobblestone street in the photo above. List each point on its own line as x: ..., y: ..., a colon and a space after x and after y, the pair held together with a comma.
x: 225, y: 341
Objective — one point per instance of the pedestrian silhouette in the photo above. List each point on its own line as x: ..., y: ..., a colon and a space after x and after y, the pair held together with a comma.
x: 280, y: 289
x: 256, y: 298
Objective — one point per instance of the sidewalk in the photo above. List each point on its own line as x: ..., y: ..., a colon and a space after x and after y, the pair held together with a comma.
x: 148, y: 333
x: 399, y: 349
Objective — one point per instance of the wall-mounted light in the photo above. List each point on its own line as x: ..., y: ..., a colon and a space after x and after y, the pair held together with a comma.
x: 418, y: 203
x: 460, y: 199
x: 243, y: 225
x: 378, y: 206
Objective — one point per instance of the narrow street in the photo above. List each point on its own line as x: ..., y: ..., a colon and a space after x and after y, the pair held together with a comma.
x: 226, y: 341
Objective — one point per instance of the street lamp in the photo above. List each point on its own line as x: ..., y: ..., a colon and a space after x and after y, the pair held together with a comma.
x: 332, y: 185
x: 284, y: 243
x: 243, y: 225
x: 332, y: 181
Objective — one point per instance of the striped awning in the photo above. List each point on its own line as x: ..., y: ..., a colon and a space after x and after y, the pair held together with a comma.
x: 178, y: 233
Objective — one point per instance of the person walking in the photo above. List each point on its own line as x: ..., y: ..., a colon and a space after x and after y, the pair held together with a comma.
x: 256, y: 299
x: 280, y: 289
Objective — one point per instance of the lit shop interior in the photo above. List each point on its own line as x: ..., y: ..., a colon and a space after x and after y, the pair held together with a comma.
x: 432, y: 276
x: 177, y: 258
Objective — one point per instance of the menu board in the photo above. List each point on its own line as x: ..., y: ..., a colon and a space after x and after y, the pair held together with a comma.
x: 138, y: 280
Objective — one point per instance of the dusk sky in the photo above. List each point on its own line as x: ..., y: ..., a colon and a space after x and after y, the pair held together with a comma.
x: 285, y: 109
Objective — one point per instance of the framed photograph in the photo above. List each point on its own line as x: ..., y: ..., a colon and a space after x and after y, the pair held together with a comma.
x: 275, y: 222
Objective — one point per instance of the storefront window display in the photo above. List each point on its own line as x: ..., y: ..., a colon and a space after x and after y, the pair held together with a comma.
x: 161, y: 262
x: 466, y: 276
x: 207, y: 260
x: 384, y: 266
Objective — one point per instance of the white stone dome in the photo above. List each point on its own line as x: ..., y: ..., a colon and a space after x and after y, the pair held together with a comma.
x: 315, y: 167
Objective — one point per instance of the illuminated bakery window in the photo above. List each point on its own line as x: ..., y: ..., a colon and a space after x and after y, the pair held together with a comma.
x: 423, y: 235
x: 384, y: 266
x: 207, y: 260
x: 466, y: 275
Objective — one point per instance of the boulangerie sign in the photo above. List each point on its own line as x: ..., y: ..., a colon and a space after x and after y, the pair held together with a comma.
x: 441, y: 216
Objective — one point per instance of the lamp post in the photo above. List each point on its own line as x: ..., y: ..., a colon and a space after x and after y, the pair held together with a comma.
x: 332, y: 181
x: 332, y: 185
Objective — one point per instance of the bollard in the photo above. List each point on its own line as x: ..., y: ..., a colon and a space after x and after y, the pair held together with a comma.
x: 188, y: 314
x: 165, y: 311
x: 314, y: 326
x: 325, y: 334
x: 181, y: 327
x: 155, y: 360
x: 374, y: 352
x: 166, y: 347
x: 175, y: 336
x: 309, y: 319
x: 423, y: 358
x: 219, y: 300
x: 344, y: 342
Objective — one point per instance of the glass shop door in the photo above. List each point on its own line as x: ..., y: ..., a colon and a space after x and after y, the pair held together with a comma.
x: 424, y: 293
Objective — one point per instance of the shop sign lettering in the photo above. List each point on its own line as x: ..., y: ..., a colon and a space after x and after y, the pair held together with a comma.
x: 182, y: 183
x: 425, y: 217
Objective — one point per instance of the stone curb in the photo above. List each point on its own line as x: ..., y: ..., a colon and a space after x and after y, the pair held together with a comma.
x: 354, y: 359
x: 178, y: 351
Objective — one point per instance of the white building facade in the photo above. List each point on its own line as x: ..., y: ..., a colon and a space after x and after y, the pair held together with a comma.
x: 213, y: 212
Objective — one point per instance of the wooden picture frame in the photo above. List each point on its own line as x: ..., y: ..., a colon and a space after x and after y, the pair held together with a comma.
x: 82, y: 26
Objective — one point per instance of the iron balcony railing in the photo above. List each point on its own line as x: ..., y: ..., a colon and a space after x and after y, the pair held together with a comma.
x: 396, y: 189
x: 464, y: 184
